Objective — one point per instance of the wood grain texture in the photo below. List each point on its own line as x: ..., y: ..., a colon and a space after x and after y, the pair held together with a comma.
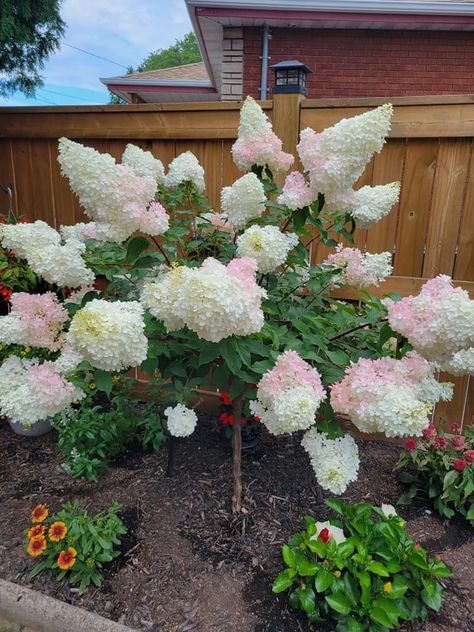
x: 415, y: 206
x: 446, y: 206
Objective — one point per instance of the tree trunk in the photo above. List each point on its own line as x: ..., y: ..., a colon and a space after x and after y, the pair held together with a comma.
x: 236, y: 455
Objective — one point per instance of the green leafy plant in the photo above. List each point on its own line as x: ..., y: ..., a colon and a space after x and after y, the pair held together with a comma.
x: 93, y: 435
x: 440, y: 468
x: 361, y: 571
x: 74, y: 544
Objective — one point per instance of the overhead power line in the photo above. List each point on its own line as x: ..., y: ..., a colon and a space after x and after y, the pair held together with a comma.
x: 70, y: 96
x: 94, y: 55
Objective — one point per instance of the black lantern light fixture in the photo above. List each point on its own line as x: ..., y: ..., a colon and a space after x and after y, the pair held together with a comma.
x: 290, y: 77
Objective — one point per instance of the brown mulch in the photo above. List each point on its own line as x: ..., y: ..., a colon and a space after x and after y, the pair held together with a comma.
x: 187, y: 563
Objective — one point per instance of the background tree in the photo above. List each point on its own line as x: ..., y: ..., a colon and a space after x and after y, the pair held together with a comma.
x: 184, y: 51
x: 30, y: 31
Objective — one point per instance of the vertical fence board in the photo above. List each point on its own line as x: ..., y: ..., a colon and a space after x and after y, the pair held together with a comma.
x: 7, y: 176
x: 388, y: 167
x: 446, y: 207
x: 464, y: 265
x: 415, y: 204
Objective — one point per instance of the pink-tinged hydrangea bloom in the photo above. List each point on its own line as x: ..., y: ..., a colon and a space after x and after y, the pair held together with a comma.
x: 359, y: 269
x: 208, y: 222
x: 35, y: 320
x: 214, y: 300
x: 256, y: 143
x: 80, y: 231
x: 30, y: 391
x: 113, y: 195
x: 336, y: 157
x: 438, y: 323
x: 335, y: 461
x: 390, y: 396
x: 297, y: 193
x: 288, y: 395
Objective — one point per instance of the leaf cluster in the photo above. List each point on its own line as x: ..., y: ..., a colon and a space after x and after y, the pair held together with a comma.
x: 373, y: 580
x: 428, y: 472
x: 95, y: 538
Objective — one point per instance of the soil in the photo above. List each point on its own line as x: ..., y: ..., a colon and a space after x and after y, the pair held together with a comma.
x: 187, y: 563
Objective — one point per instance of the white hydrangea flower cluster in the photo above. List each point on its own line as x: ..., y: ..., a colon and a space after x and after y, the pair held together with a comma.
x: 359, y: 269
x: 40, y: 245
x: 267, y: 245
x: 214, y: 300
x: 462, y: 362
x: 244, y: 200
x: 438, y: 323
x: 144, y: 163
x: 80, y: 231
x: 371, y: 204
x: 181, y: 421
x: 110, y: 335
x: 391, y: 396
x: 335, y: 461
x: 30, y: 392
x: 185, y: 168
x: 68, y: 360
x: 113, y: 195
x: 289, y: 395
x: 336, y: 157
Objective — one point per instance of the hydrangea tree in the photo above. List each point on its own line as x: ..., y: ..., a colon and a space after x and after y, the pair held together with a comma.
x: 229, y: 298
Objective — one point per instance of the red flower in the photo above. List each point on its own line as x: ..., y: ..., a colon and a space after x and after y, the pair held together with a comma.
x: 6, y: 293
x: 469, y: 456
x: 255, y: 418
x: 24, y: 221
x: 430, y: 431
x: 440, y: 443
x: 458, y: 443
x: 459, y: 464
x: 410, y: 444
x: 225, y: 398
x: 455, y: 427
x: 324, y: 535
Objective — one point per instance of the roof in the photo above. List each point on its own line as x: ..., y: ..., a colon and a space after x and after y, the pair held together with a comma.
x: 189, y: 82
x: 188, y: 72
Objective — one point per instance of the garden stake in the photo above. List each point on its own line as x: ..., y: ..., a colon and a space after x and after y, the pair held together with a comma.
x: 171, y: 451
x: 236, y: 455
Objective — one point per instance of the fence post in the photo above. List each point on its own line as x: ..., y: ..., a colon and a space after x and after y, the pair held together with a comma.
x: 286, y: 120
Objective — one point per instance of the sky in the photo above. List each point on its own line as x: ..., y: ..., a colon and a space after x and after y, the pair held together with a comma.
x: 122, y: 31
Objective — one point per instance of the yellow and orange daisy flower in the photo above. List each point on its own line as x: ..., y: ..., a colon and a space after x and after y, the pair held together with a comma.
x: 36, y: 531
x: 57, y: 531
x: 36, y: 546
x: 67, y: 559
x: 39, y: 513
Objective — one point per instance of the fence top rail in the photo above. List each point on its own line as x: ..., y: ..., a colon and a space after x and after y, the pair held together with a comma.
x: 133, y: 107
x: 456, y: 99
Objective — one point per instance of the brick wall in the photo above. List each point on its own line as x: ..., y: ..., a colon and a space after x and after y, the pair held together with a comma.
x: 363, y: 63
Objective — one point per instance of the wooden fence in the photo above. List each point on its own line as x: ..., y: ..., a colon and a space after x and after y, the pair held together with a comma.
x: 430, y: 150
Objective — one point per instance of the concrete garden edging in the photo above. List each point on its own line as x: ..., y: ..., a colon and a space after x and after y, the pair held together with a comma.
x: 38, y: 612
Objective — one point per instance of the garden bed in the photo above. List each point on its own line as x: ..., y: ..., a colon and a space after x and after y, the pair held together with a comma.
x: 187, y: 563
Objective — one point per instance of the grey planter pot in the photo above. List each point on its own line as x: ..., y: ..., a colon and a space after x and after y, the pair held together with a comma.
x: 39, y: 428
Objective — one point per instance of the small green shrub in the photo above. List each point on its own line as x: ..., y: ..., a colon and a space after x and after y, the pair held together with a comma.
x: 442, y: 469
x: 74, y: 544
x: 361, y: 571
x: 92, y: 436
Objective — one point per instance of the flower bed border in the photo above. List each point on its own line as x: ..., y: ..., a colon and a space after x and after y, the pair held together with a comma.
x: 38, y: 612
